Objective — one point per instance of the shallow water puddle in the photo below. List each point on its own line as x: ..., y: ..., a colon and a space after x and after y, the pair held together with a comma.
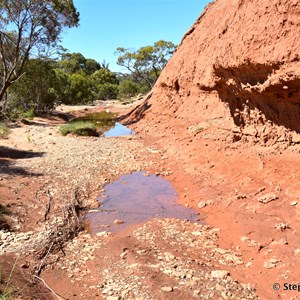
x: 118, y: 130
x: 105, y: 121
x: 136, y: 198
x: 101, y: 119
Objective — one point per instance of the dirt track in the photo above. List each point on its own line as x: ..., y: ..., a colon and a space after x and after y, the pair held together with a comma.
x: 43, y: 172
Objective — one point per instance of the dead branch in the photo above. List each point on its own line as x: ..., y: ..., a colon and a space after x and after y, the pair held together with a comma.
x: 47, y: 286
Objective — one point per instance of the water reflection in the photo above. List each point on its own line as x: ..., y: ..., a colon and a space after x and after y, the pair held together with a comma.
x: 136, y: 198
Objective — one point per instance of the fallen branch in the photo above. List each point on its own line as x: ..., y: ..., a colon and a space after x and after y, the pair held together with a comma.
x: 48, y: 287
x: 38, y: 271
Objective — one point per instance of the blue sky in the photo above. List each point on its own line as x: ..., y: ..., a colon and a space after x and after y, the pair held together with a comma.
x: 106, y: 25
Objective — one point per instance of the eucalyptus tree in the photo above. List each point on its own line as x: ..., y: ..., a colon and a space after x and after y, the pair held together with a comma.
x: 146, y: 63
x: 29, y: 28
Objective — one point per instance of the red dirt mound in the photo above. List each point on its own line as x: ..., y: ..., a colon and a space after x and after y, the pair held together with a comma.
x: 237, y: 68
x: 222, y: 112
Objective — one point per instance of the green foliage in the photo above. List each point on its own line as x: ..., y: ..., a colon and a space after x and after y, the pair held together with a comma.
x: 80, y: 89
x: 128, y: 88
x: 77, y: 63
x: 103, y: 76
x: 79, y: 127
x: 36, y: 91
x: 4, y: 131
x: 31, y: 26
x: 105, y: 84
x: 146, y: 63
x: 29, y: 114
x: 74, y: 79
x: 107, y: 91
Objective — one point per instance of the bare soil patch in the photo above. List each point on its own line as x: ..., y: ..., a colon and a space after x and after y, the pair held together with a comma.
x: 57, y: 177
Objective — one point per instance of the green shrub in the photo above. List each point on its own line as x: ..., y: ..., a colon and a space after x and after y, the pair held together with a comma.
x: 4, y: 131
x: 79, y: 128
x: 30, y: 114
x: 128, y: 88
x: 35, y: 91
x: 107, y: 91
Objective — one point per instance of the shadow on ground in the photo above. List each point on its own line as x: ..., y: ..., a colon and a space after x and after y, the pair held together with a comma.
x: 3, y: 222
x: 136, y: 114
x: 8, y: 167
x: 7, y: 152
x: 7, y: 163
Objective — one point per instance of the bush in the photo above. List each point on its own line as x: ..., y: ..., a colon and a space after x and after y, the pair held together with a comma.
x: 79, y: 90
x: 80, y: 128
x: 4, y: 131
x: 107, y: 91
x: 128, y: 88
x: 35, y: 90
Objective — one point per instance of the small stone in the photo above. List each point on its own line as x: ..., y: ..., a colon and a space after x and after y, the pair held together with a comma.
x: 282, y: 226
x: 167, y: 289
x: 271, y: 263
x: 268, y: 198
x: 268, y: 265
x: 197, y: 233
x: 294, y: 203
x: 25, y: 265
x: 118, y: 222
x: 219, y: 287
x: 169, y: 256
x: 102, y: 233
x: 274, y: 260
x: 124, y: 293
x: 113, y: 298
x: 219, y: 274
x: 106, y: 291
x: 297, y: 251
x: 4, y: 236
x: 202, y: 204
x: 132, y: 266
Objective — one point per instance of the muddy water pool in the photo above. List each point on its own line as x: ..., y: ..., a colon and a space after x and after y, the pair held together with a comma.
x: 133, y: 199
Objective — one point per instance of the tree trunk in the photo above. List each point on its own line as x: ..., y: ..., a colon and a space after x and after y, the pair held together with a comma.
x: 3, y: 97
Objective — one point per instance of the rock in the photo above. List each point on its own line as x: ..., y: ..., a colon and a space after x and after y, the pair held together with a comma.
x: 169, y: 256
x: 197, y: 233
x: 297, y: 251
x: 274, y: 260
x: 294, y: 203
x: 219, y: 274
x: 268, y: 198
x: 268, y: 265
x: 102, y: 233
x: 4, y: 236
x: 202, y: 204
x: 280, y: 242
x: 167, y: 289
x: 282, y: 226
x: 271, y: 263
x: 113, y: 298
x: 118, y: 222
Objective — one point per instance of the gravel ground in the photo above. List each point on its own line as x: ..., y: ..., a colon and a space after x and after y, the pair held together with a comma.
x: 161, y: 259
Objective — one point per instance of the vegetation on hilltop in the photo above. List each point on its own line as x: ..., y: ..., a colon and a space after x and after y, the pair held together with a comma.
x: 32, y: 80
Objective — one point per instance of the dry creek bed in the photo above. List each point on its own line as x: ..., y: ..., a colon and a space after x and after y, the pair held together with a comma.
x: 161, y: 259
